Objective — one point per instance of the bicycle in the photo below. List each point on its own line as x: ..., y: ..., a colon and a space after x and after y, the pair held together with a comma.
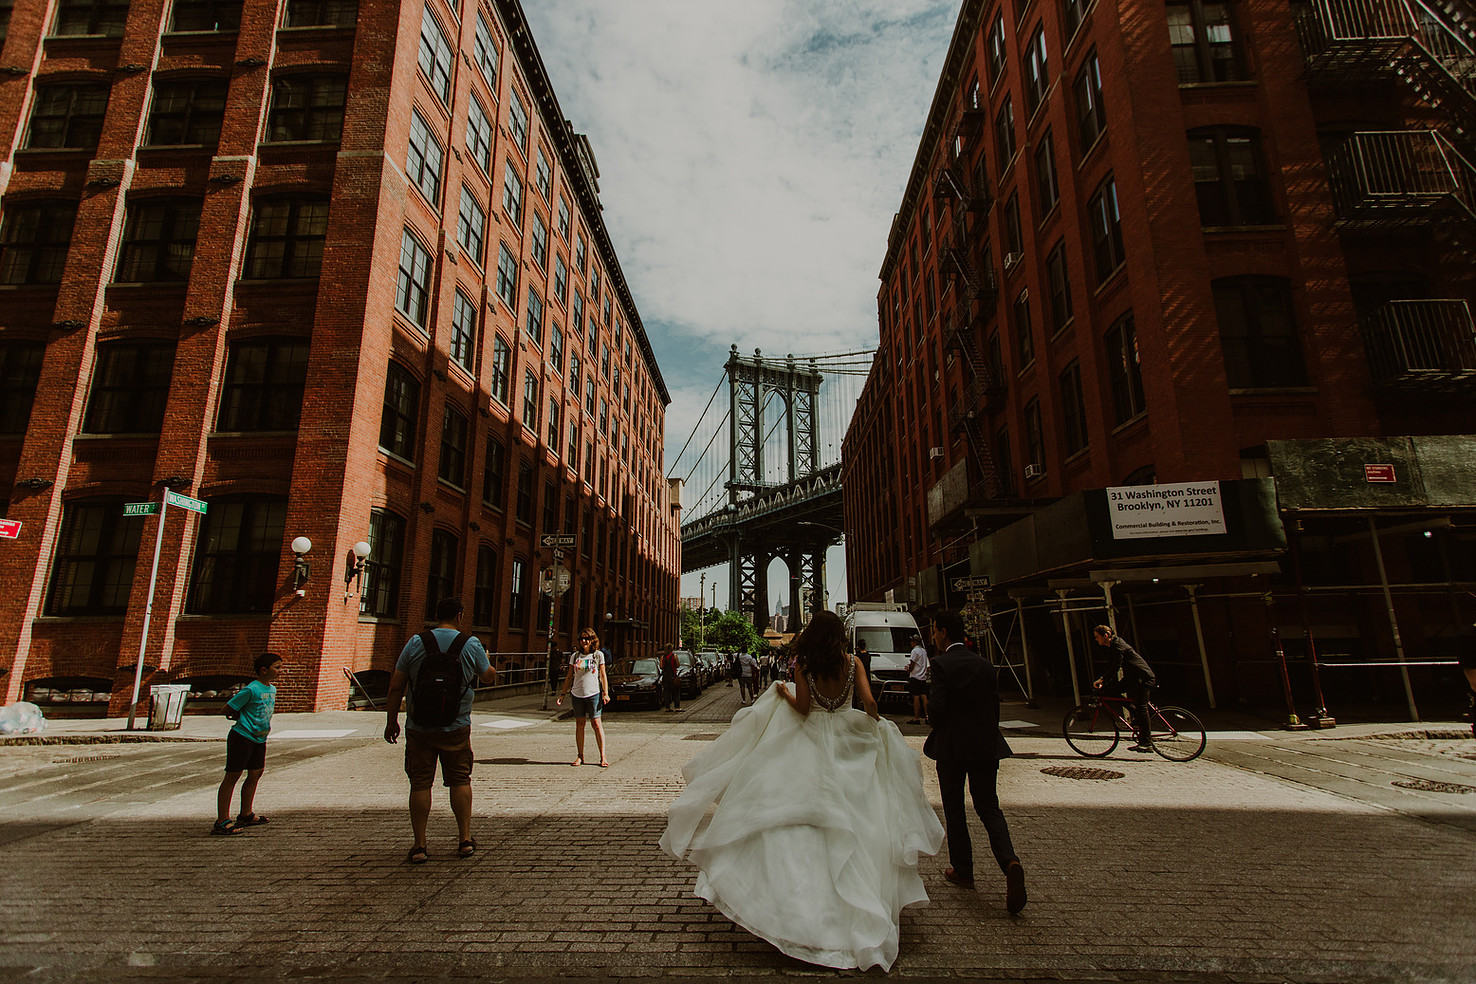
x: 1095, y: 727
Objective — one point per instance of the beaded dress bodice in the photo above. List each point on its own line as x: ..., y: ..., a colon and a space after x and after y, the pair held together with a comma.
x: 843, y: 699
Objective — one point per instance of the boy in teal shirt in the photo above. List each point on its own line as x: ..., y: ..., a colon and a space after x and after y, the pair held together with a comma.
x: 251, y: 708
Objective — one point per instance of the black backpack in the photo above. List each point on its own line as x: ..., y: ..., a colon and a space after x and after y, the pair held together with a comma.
x: 439, y: 686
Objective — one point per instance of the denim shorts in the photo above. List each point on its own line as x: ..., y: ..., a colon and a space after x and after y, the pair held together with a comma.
x: 587, y: 707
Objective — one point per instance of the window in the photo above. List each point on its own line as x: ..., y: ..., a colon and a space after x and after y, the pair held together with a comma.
x: 484, y: 53
x: 1258, y: 333
x: 540, y: 241
x: 1123, y: 370
x: 68, y: 114
x: 543, y: 176
x: 553, y: 424
x: 34, y: 237
x: 517, y: 120
x: 501, y: 367
x: 517, y: 595
x: 1106, y: 224
x: 561, y: 279
x: 412, y: 292
x: 1046, y: 190
x: 6, y: 8
x: 442, y: 581
x: 471, y: 226
x: 435, y: 58
x: 158, y: 240
x: 572, y: 458
x: 287, y: 237
x: 512, y: 195
x: 533, y: 325
x: 381, y: 594
x: 1004, y: 133
x: 1203, y: 40
x: 581, y: 252
x: 604, y: 417
x: 1034, y: 445
x: 1073, y: 410
x: 479, y: 135
x: 530, y: 401
x: 1014, y: 238
x: 451, y: 468
x: 82, y: 17
x: 463, y: 331
x: 95, y: 556
x: 997, y: 50
x: 130, y: 386
x: 186, y: 112
x: 507, y: 276
x: 1072, y: 12
x: 1091, y: 111
x: 589, y: 393
x: 20, y: 370
x: 1059, y: 281
x: 565, y: 218
x: 484, y: 593
x: 576, y: 313
x: 605, y: 360
x: 321, y: 13
x: 574, y: 374
x: 1037, y: 71
x: 206, y: 15
x: 1024, y: 336
x: 237, y: 555
x: 307, y: 107
x: 424, y: 159
x: 524, y: 504
x: 397, y: 425
x: 263, y: 385
x: 556, y: 349
x: 1229, y: 180
x: 494, y: 474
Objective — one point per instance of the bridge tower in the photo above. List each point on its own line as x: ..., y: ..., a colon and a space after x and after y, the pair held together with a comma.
x: 751, y: 381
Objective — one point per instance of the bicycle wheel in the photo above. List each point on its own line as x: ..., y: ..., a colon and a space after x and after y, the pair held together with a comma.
x: 1091, y: 729
x: 1177, y: 734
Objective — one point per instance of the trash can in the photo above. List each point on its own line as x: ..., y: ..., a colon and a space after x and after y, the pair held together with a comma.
x: 166, y: 706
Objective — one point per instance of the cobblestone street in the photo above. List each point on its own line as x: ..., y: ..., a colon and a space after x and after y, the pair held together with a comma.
x: 1273, y: 858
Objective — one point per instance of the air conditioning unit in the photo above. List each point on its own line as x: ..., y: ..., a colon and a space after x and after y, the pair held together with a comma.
x: 935, y: 453
x: 1010, y: 259
x: 1034, y: 471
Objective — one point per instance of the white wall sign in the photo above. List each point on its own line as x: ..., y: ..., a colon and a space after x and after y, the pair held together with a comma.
x: 1192, y: 509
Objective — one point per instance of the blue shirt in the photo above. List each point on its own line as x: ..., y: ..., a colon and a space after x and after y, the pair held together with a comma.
x: 254, y: 703
x: 473, y: 664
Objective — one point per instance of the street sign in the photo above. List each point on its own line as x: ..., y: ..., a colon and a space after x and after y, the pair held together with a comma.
x: 140, y: 509
x: 554, y: 580
x: 1379, y: 473
x: 978, y: 582
x: 556, y: 540
x: 184, y: 501
x: 558, y: 555
x: 10, y: 529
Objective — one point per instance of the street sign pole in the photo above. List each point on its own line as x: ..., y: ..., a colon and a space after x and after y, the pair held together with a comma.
x: 143, y: 642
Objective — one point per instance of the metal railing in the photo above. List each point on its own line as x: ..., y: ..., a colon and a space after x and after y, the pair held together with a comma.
x: 1427, y: 345
x: 1399, y: 176
x: 1346, y: 36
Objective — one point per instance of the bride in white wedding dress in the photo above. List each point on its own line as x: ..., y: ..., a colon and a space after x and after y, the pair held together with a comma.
x: 817, y: 815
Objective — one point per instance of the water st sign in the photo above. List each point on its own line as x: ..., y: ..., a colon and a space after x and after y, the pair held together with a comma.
x: 10, y: 529
x: 184, y: 501
x: 563, y: 540
x: 140, y: 509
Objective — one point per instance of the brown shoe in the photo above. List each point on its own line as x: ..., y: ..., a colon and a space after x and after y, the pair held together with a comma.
x: 958, y: 879
x: 1015, y: 888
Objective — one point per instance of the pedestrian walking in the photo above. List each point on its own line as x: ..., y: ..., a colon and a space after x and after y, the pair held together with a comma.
x: 590, y: 688
x: 863, y: 656
x: 917, y: 680
x: 438, y: 669
x: 747, y: 676
x: 251, y: 709
x: 966, y: 744
x: 1127, y: 673
x: 732, y: 664
x: 671, y: 684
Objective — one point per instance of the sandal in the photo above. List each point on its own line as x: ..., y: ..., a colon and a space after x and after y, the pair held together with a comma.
x: 225, y: 827
x: 251, y: 820
x: 604, y: 765
x: 417, y: 855
x: 468, y: 848
x: 577, y: 762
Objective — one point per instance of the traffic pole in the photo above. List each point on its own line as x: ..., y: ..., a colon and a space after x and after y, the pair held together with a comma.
x: 143, y: 642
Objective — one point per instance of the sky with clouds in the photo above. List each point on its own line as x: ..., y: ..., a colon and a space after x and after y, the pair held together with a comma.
x: 751, y: 158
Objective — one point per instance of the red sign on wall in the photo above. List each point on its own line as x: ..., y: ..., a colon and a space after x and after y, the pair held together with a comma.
x: 10, y: 528
x: 1378, y: 473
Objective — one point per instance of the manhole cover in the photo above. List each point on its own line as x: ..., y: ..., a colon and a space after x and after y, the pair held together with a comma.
x: 701, y: 737
x: 1081, y: 772
x: 1428, y: 786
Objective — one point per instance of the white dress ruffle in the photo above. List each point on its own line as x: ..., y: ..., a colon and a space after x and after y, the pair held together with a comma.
x: 816, y: 825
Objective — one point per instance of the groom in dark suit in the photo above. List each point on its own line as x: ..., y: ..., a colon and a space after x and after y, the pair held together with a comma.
x: 963, y: 708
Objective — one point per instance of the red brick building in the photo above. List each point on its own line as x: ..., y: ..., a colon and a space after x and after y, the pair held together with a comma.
x: 339, y: 271
x: 1181, y: 241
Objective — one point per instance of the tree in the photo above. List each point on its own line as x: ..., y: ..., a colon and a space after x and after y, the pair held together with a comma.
x: 732, y: 631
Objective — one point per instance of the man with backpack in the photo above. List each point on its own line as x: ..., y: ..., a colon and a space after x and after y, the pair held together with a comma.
x: 439, y: 668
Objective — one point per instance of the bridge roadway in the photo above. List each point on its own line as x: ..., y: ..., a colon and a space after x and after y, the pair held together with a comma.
x: 1305, y: 857
x: 805, y: 513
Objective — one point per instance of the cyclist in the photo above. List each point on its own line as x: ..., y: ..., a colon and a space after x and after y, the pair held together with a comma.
x: 1132, y: 676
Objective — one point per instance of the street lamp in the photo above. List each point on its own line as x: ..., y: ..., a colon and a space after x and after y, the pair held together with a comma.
x: 301, y: 569
x: 353, y: 574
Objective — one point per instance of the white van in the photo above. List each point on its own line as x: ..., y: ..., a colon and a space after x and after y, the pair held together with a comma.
x: 887, y: 630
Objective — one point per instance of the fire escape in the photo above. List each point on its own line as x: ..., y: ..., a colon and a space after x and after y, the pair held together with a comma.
x: 1385, y: 181
x: 963, y: 255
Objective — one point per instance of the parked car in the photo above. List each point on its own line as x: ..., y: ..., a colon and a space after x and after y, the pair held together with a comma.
x: 709, y: 667
x: 689, y: 674
x: 636, y: 683
x: 715, y: 664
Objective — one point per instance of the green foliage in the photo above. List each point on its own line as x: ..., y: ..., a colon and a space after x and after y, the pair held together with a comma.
x: 726, y: 631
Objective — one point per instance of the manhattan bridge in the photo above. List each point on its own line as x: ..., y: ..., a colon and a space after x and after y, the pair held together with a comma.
x: 762, y: 473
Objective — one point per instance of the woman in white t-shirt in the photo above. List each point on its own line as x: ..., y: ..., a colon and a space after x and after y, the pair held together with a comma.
x: 587, y: 682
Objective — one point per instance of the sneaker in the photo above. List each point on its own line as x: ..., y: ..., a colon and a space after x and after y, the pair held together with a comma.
x: 1015, y: 888
x: 1141, y: 747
